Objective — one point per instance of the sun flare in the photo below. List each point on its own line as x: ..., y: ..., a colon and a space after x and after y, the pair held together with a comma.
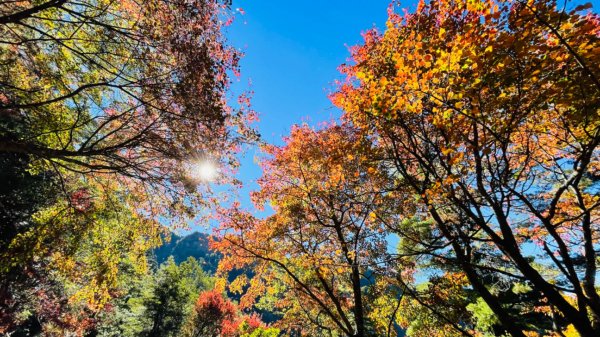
x: 203, y: 170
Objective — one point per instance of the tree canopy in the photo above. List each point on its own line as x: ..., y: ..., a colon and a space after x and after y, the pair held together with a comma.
x: 480, y: 130
x: 106, y: 110
x: 457, y: 194
x: 488, y: 112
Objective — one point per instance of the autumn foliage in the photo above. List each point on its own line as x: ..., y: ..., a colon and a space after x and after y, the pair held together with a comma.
x: 214, y: 315
x: 489, y: 113
x: 470, y: 131
x: 326, y: 239
x: 104, y: 105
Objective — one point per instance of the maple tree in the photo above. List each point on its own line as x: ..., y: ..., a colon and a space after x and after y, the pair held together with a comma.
x: 320, y: 258
x: 117, y: 86
x: 488, y: 112
x: 109, y: 105
x: 214, y: 315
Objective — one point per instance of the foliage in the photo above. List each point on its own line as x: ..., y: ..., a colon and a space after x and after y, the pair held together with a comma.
x: 157, y: 303
x: 483, y: 315
x: 470, y: 132
x: 214, y: 316
x: 22, y: 194
x: 436, y: 307
x: 117, y: 86
x: 105, y: 108
x: 172, y: 296
x: 318, y: 256
x: 488, y: 113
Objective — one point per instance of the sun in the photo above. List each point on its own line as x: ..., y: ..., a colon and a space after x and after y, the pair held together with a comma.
x: 203, y: 170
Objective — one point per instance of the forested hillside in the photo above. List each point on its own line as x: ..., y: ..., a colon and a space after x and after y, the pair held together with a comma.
x: 194, y: 245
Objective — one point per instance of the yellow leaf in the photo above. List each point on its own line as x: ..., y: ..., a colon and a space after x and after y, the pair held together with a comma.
x: 373, y: 216
x: 442, y: 32
x: 447, y: 151
x: 571, y: 332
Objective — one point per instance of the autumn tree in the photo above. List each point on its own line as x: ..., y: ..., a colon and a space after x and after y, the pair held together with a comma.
x: 116, y: 86
x: 109, y: 105
x: 120, y: 90
x: 321, y: 258
x: 214, y: 315
x: 488, y: 112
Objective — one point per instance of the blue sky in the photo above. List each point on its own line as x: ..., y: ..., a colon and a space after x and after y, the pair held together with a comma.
x: 292, y: 52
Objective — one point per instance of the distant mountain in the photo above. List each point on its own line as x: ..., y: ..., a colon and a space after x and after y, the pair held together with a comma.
x: 194, y: 244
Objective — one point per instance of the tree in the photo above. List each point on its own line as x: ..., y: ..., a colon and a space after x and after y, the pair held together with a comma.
x: 172, y: 296
x: 117, y: 86
x: 157, y: 302
x: 442, y: 302
x: 105, y: 109
x: 22, y: 194
x: 212, y: 316
x: 488, y: 112
x: 320, y: 256
x: 71, y: 252
x: 121, y: 90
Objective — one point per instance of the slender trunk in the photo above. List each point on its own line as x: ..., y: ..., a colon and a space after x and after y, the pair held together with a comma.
x: 358, y: 305
x: 589, y: 280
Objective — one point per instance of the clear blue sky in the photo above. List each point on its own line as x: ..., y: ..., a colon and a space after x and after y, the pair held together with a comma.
x: 292, y: 52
